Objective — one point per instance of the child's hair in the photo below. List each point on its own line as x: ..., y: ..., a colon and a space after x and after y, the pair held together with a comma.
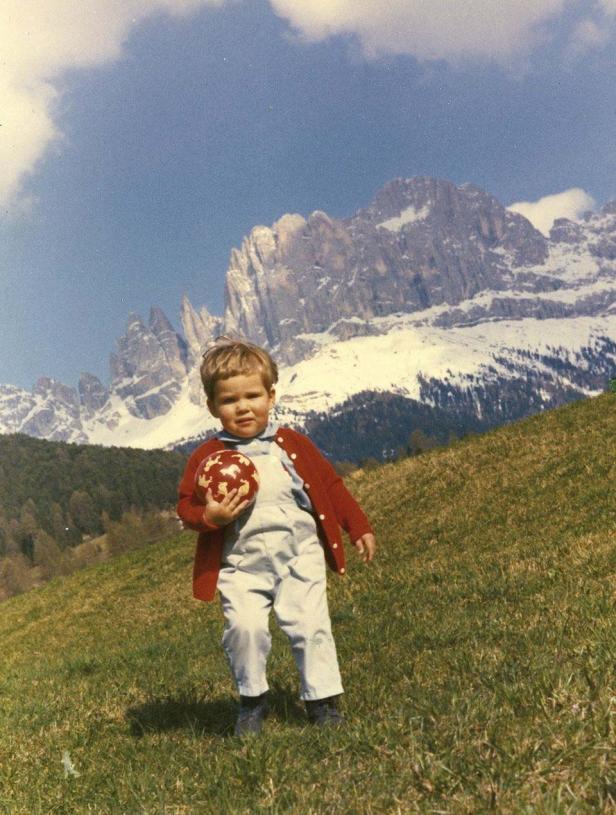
x: 231, y: 357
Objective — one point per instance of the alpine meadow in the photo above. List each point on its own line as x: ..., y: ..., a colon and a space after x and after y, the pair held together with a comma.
x: 477, y: 652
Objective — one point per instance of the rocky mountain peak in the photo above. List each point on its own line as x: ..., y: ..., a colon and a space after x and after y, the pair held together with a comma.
x: 134, y: 323
x: 199, y: 328
x: 174, y: 347
x: 401, y: 193
x: 92, y: 393
x: 49, y: 388
x: 288, y: 224
x: 158, y: 322
x: 149, y: 365
x: 54, y: 412
x: 421, y: 242
x: 566, y: 231
x: 435, y: 207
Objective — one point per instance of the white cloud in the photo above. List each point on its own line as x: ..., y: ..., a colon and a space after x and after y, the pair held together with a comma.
x: 568, y: 204
x: 39, y: 39
x: 588, y: 35
x: 596, y: 29
x: 447, y: 29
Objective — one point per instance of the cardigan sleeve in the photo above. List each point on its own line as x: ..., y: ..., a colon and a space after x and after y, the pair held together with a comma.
x: 189, y: 508
x: 349, y: 514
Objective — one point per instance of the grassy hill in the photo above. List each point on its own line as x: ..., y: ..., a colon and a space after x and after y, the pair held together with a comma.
x: 477, y: 652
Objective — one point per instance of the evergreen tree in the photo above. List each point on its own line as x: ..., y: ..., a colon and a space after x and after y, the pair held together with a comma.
x: 84, y: 514
x: 27, y: 529
x: 57, y: 525
x: 49, y: 557
x: 419, y: 442
x: 5, y: 534
x: 15, y: 574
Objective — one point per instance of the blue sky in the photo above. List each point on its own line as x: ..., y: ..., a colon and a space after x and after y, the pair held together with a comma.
x: 140, y: 142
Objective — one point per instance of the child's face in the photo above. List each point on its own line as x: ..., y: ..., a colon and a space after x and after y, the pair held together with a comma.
x: 242, y: 403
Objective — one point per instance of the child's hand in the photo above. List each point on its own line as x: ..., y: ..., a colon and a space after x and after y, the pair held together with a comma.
x: 366, y: 546
x: 221, y: 513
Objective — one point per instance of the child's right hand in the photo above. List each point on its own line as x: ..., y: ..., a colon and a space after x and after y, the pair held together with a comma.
x: 221, y: 513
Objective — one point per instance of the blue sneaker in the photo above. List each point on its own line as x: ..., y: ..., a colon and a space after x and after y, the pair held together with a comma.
x: 253, y: 711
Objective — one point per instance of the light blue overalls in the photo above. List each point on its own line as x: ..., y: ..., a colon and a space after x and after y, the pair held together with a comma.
x: 272, y: 557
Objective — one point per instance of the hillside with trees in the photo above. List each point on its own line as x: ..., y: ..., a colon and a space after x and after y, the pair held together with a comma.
x: 56, y: 497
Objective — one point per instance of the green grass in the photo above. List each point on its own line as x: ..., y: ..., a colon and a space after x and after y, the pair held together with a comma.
x: 478, y: 655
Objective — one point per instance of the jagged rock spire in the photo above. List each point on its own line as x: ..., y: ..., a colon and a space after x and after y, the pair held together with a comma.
x: 199, y: 328
x: 92, y: 393
x: 150, y: 365
x: 173, y: 345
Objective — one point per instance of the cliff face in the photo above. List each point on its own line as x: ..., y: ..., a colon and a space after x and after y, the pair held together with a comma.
x: 425, y: 253
x: 421, y: 243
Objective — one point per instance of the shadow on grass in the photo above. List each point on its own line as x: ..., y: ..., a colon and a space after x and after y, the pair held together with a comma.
x: 201, y: 716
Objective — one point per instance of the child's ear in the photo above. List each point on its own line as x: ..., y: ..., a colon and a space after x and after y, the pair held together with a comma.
x: 272, y: 395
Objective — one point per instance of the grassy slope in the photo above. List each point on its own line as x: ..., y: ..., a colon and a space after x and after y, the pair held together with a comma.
x: 478, y: 655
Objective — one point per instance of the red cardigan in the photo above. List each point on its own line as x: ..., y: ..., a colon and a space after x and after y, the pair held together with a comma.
x: 333, y: 505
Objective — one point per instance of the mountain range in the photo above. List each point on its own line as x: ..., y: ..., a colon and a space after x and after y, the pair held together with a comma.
x: 435, y: 294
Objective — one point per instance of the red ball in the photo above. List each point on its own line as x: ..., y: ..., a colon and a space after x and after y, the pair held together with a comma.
x: 224, y: 471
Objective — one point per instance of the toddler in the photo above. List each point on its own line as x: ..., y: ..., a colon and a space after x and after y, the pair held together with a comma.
x: 270, y: 553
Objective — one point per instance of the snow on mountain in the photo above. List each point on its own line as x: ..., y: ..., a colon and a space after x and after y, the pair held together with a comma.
x: 410, y: 215
x: 184, y: 420
x: 434, y: 292
x: 405, y: 350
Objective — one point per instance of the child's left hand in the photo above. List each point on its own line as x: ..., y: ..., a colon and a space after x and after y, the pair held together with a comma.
x: 366, y: 546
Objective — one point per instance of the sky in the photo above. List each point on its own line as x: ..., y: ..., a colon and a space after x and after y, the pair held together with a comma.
x: 141, y: 141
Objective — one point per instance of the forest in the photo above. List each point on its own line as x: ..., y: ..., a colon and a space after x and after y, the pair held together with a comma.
x: 59, y: 501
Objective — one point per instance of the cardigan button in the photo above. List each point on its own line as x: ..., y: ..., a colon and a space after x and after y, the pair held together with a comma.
x: 343, y: 570
x: 293, y: 456
x: 306, y: 486
x: 321, y: 517
x: 334, y: 545
x: 280, y: 439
